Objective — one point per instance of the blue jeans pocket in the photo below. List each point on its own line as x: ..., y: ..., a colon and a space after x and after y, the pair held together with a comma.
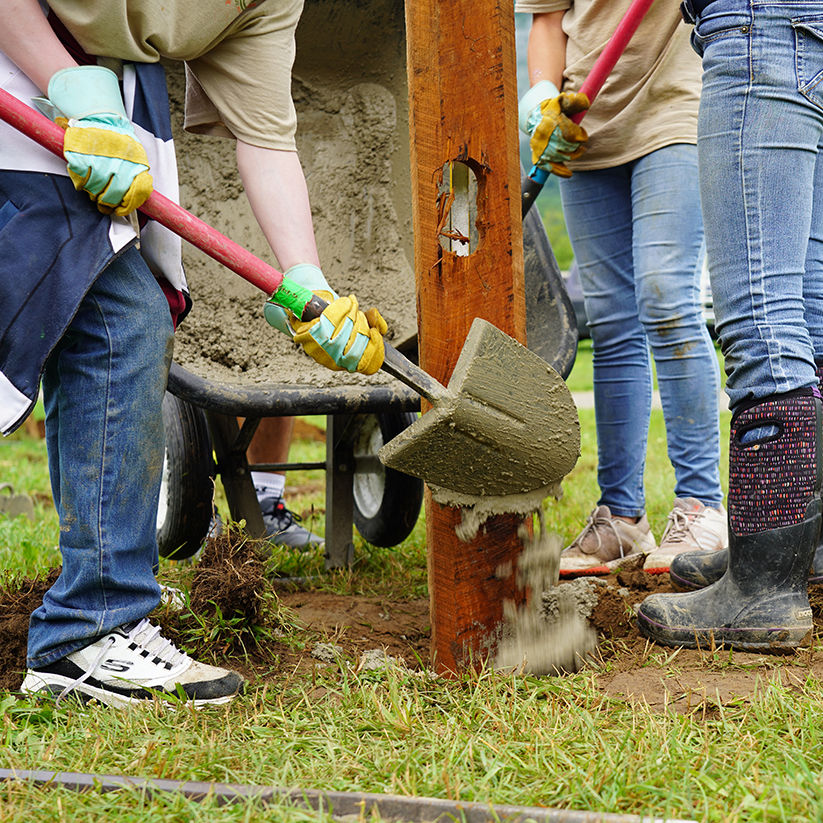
x: 809, y: 58
x: 713, y: 27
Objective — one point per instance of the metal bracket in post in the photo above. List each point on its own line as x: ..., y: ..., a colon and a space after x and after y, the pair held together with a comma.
x: 230, y: 444
x: 339, y: 493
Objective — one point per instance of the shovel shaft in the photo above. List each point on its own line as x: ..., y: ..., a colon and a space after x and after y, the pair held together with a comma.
x: 604, y: 65
x: 602, y: 68
x: 413, y: 376
x: 212, y: 242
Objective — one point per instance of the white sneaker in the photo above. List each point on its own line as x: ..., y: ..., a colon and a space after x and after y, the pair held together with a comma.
x: 172, y: 596
x: 691, y: 527
x: 283, y: 526
x: 128, y: 667
x: 605, y: 544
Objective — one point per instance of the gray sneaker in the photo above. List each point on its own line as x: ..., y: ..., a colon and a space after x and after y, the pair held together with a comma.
x: 129, y: 666
x: 283, y: 526
x: 605, y: 544
x: 691, y: 527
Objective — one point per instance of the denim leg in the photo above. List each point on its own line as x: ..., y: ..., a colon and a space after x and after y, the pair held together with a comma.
x: 668, y: 260
x: 813, y: 279
x: 761, y: 135
x: 597, y: 208
x: 103, y: 389
x: 636, y: 233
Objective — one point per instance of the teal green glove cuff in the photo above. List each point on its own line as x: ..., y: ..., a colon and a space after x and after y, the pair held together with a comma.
x: 557, y: 150
x: 86, y: 91
x: 306, y: 275
x: 529, y: 114
x: 309, y: 276
x: 334, y: 345
x: 276, y: 316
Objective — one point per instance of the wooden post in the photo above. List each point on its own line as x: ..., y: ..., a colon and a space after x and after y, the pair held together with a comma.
x: 468, y: 263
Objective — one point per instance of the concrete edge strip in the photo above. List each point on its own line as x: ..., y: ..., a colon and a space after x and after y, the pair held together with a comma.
x: 390, y: 807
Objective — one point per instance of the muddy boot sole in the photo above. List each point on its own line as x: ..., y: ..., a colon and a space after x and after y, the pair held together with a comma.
x: 777, y: 624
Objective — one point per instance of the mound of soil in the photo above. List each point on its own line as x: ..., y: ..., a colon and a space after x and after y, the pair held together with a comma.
x: 230, y: 588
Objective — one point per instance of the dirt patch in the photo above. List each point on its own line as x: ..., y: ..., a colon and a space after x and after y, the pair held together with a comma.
x: 359, y: 624
x: 19, y: 597
x: 685, y: 680
x: 304, y: 630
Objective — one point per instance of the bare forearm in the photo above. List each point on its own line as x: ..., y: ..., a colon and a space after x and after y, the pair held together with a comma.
x: 276, y: 189
x: 546, y: 54
x: 27, y: 39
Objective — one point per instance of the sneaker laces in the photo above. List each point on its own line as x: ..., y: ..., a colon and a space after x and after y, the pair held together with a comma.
x: 275, y: 508
x: 163, y: 649
x: 679, y: 527
x: 592, y: 526
x: 109, y: 642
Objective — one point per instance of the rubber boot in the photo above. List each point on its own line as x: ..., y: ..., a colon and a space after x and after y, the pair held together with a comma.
x: 696, y: 570
x: 761, y: 602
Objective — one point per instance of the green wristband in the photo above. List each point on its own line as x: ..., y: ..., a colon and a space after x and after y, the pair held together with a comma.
x: 292, y: 296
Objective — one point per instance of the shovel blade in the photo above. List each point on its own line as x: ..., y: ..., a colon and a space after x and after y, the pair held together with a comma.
x: 507, y: 425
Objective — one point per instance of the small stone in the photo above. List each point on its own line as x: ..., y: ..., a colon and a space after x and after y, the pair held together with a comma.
x: 327, y: 652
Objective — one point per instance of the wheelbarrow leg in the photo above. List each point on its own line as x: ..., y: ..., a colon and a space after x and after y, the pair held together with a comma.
x: 230, y: 444
x: 339, y: 493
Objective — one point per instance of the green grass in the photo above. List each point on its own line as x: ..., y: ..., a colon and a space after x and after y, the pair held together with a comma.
x: 556, y: 742
x: 551, y: 742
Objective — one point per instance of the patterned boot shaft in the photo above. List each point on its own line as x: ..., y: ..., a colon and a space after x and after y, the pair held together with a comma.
x: 773, y: 476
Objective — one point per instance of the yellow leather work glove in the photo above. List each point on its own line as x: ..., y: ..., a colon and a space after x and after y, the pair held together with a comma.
x: 344, y: 337
x: 546, y: 116
x: 105, y: 158
x: 109, y: 164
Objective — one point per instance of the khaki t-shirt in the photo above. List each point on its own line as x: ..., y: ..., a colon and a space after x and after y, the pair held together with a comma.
x: 239, y: 56
x: 651, y: 98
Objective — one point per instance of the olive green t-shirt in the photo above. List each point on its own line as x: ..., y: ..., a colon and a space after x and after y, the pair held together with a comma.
x: 651, y: 98
x: 238, y: 53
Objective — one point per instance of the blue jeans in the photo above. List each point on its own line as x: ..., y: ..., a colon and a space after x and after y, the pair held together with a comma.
x: 761, y: 182
x: 103, y: 387
x: 638, y: 238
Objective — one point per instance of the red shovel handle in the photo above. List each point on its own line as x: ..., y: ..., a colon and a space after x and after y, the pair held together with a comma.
x: 604, y: 64
x: 159, y: 208
x: 534, y: 181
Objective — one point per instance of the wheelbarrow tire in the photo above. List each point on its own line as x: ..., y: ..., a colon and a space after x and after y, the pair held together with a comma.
x: 387, y: 502
x: 187, y: 490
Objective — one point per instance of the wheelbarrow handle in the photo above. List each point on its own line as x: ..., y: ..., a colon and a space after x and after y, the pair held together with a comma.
x: 602, y: 68
x: 164, y: 211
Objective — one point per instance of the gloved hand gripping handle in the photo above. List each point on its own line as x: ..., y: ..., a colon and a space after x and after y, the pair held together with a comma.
x: 602, y: 68
x: 167, y: 213
x: 394, y: 363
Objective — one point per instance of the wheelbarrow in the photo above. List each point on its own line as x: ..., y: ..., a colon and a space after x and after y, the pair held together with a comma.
x: 351, y: 92
x: 203, y: 438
